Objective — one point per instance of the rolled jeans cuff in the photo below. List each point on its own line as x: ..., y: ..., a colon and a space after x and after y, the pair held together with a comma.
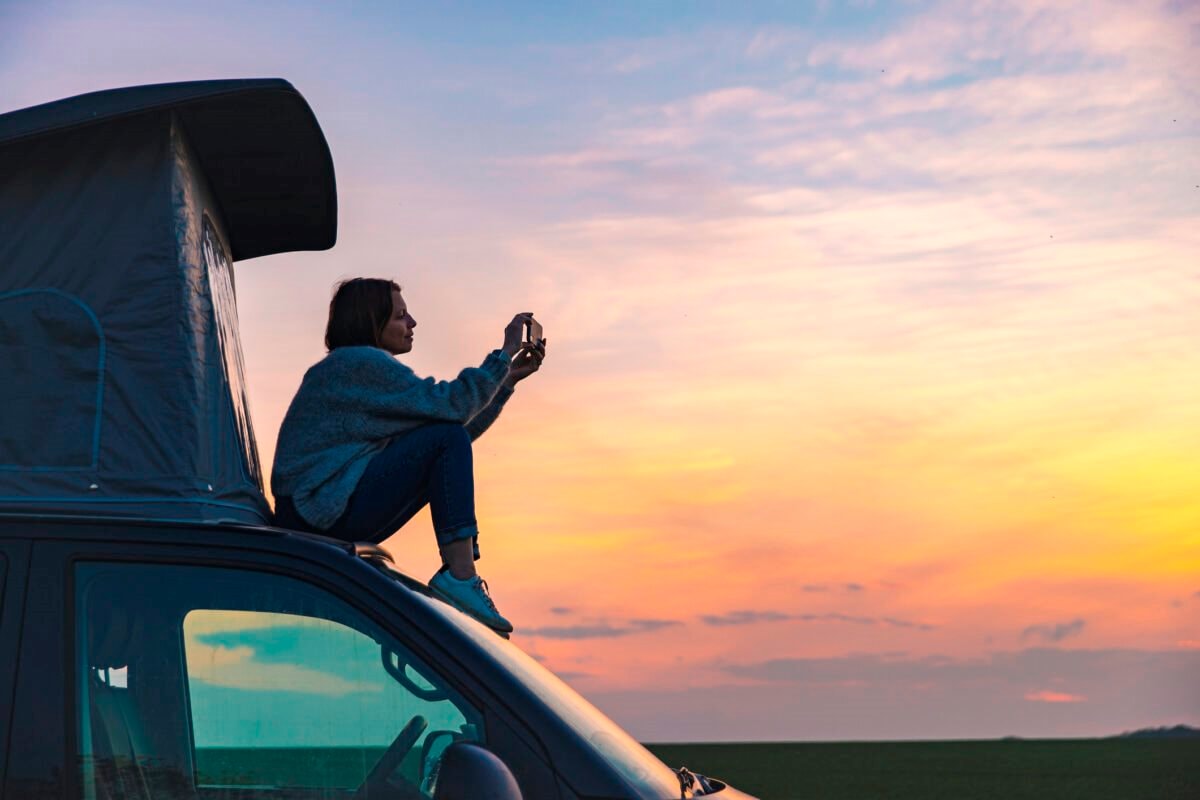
x: 458, y: 534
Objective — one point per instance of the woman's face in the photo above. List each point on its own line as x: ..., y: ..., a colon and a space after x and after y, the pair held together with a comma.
x: 397, y: 335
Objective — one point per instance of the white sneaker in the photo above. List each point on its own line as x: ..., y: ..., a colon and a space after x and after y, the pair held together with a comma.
x: 471, y: 597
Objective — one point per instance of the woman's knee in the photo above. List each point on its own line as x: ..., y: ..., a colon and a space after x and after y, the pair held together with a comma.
x: 451, y: 433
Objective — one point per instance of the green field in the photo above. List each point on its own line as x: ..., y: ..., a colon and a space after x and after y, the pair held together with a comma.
x: 1061, y: 769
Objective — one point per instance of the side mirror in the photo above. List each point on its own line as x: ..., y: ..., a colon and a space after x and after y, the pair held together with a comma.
x: 432, y: 751
x: 470, y: 772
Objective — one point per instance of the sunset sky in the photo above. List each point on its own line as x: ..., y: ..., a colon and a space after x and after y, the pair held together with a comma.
x: 872, y: 401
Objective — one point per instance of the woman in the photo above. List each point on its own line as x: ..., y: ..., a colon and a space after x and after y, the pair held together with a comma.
x: 366, y: 444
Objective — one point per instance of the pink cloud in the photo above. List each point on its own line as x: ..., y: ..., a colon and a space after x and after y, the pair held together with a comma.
x: 733, y: 99
x: 1047, y: 696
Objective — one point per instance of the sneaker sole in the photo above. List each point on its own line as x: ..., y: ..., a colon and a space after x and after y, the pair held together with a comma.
x: 448, y: 600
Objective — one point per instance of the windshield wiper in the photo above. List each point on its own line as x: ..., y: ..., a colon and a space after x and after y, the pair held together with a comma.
x: 692, y: 784
x: 687, y: 783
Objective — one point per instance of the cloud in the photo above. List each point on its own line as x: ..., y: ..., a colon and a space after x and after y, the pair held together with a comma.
x: 560, y: 610
x: 744, y: 618
x: 821, y: 587
x: 837, y: 617
x: 1054, y: 632
x: 569, y: 160
x: 222, y: 667
x: 600, y: 630
x: 1046, y: 696
x: 284, y: 652
x: 654, y: 624
x: 953, y: 39
x: 1018, y: 672
x: 903, y: 623
x: 1018, y: 97
x: 749, y: 617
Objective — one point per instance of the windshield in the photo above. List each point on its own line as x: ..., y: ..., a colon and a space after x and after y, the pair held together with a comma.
x: 651, y: 777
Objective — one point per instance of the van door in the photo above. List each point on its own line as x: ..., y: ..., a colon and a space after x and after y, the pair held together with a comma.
x: 214, y: 680
x: 13, y: 554
x: 34, y: 766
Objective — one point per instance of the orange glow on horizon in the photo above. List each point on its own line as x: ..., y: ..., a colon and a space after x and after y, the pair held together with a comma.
x: 1054, y: 697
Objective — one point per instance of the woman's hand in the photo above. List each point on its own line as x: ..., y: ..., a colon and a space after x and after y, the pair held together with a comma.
x: 527, y: 362
x: 514, y: 332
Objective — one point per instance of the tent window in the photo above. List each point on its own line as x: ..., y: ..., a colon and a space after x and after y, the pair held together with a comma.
x: 224, y: 302
x: 52, y: 349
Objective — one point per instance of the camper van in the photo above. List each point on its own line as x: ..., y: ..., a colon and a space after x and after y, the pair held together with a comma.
x: 158, y: 637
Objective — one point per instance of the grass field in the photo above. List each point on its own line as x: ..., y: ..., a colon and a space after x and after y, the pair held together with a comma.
x: 1087, y: 769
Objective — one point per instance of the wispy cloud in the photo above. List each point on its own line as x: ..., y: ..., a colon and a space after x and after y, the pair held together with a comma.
x: 734, y: 618
x: 277, y: 652
x: 599, y: 630
x: 745, y: 618
x: 1047, y: 696
x: 816, y: 588
x: 904, y: 623
x: 1054, y: 632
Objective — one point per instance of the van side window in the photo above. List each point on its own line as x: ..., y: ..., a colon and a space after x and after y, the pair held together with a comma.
x: 223, y: 683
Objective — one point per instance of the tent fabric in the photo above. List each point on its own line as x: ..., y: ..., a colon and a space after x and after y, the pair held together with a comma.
x: 256, y: 140
x: 49, y: 422
x: 123, y: 388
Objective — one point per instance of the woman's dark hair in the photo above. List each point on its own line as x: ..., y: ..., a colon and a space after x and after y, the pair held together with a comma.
x: 358, y: 312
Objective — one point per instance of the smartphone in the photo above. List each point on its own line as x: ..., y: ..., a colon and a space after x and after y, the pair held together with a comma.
x: 533, y: 332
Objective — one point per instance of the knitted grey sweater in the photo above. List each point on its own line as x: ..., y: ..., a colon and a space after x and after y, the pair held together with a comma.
x: 351, y: 403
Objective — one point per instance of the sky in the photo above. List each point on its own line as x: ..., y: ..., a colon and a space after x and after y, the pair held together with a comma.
x: 869, y: 409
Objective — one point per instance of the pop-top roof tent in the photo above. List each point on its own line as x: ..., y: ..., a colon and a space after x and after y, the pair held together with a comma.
x: 120, y: 213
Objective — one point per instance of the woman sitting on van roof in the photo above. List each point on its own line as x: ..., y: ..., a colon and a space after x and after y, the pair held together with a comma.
x: 365, y: 443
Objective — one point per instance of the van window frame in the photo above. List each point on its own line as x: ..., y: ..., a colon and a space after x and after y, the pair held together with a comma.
x: 300, y: 566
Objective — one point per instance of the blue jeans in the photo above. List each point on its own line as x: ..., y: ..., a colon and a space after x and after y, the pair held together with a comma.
x: 432, y: 464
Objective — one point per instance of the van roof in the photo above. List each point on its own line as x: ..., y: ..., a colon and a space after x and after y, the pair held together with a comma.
x: 257, y: 141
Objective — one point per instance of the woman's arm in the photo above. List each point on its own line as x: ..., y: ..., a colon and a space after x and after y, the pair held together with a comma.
x: 527, y: 362
x: 385, y: 397
x: 484, y: 419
